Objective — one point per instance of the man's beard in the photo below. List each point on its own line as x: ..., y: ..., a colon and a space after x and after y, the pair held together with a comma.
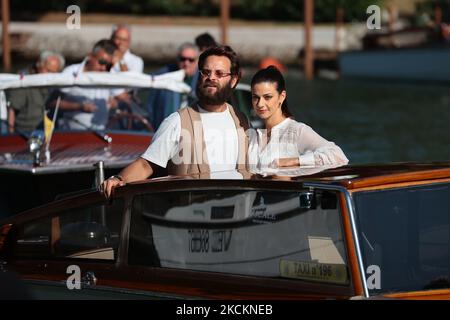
x: 219, y: 97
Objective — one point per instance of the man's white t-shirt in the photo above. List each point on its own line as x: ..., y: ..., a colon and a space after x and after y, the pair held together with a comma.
x: 220, y: 134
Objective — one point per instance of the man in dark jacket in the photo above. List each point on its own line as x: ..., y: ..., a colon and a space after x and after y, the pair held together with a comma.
x: 162, y: 102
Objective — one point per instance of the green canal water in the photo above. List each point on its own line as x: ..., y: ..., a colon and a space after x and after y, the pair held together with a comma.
x: 376, y: 121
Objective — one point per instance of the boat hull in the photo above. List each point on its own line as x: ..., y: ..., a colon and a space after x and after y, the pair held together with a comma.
x: 416, y: 64
x: 71, y: 167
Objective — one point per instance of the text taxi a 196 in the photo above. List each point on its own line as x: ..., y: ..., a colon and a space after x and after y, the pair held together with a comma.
x: 354, y: 232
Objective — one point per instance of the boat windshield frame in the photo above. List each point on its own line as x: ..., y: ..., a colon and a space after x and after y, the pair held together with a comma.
x: 392, y: 234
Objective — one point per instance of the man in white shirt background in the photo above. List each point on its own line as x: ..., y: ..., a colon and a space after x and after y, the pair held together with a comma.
x: 124, y: 60
x: 88, y: 108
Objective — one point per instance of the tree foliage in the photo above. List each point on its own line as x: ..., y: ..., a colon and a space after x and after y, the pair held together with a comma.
x: 276, y: 10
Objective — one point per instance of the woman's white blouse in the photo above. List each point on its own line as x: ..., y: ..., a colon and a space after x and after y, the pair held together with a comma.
x: 291, y: 139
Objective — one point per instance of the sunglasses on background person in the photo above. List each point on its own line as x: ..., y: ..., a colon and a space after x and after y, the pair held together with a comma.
x: 106, y: 63
x: 183, y: 59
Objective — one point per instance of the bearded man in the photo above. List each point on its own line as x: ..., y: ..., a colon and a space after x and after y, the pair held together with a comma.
x: 206, y: 138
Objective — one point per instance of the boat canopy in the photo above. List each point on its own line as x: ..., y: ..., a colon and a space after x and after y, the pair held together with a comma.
x: 172, y: 80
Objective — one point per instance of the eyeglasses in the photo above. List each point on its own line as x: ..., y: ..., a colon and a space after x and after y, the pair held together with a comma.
x: 218, y: 73
x: 183, y: 59
x: 106, y: 63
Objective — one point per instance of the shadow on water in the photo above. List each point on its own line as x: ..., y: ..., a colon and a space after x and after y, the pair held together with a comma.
x: 376, y: 121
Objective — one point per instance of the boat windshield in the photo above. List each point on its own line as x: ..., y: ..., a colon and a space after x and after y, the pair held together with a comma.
x: 92, y: 108
x: 263, y: 233
x: 405, y: 237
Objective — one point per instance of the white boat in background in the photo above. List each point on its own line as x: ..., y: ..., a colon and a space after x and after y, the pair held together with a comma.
x: 417, y: 64
x: 171, y: 81
x: 68, y: 164
x: 251, y: 218
x: 409, y: 54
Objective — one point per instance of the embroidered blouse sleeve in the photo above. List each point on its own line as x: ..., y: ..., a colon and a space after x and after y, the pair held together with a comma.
x: 317, y: 151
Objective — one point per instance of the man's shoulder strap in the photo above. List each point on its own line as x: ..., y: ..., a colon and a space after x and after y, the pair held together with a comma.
x: 242, y: 118
x: 191, y: 123
x: 189, y: 114
x: 188, y: 110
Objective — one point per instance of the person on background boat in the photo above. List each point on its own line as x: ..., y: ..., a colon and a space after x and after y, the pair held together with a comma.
x: 27, y: 105
x: 124, y: 60
x: 284, y: 142
x: 88, y: 108
x: 205, y: 138
x: 163, y: 102
x: 204, y: 41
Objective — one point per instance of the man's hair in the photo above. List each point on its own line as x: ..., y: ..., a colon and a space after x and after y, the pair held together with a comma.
x: 106, y: 44
x: 205, y: 40
x: 120, y: 26
x: 222, y: 51
x: 187, y: 45
x: 47, y: 54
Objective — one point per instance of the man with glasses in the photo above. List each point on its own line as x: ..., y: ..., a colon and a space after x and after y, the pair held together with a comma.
x: 207, y: 138
x: 162, y: 102
x: 88, y: 108
x: 27, y: 105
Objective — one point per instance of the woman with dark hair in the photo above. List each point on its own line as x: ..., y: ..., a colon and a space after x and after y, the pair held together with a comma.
x: 284, y: 142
